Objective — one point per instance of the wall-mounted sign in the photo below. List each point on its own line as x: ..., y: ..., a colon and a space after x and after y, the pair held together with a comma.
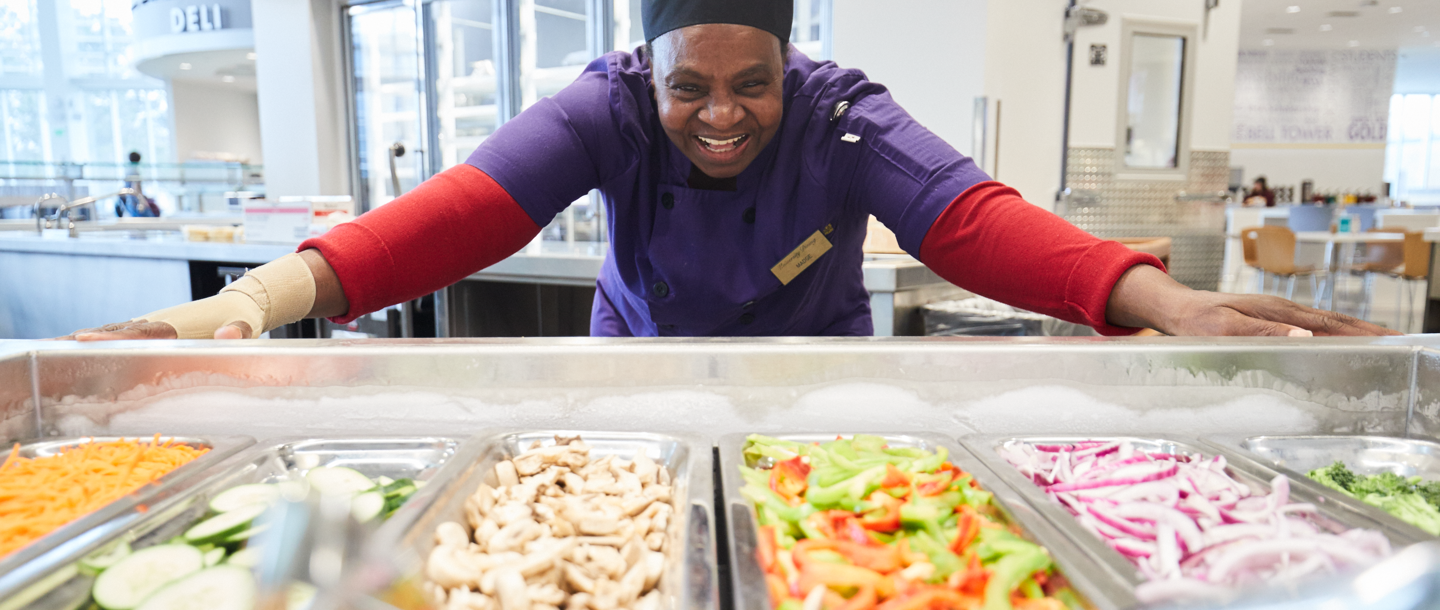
x: 196, y: 18
x: 1313, y: 97
x: 164, y: 18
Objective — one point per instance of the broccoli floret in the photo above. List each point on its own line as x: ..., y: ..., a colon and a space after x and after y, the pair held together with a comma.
x: 1335, y: 476
x: 1385, y: 484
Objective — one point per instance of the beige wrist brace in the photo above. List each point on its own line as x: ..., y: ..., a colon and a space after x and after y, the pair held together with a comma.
x: 268, y: 297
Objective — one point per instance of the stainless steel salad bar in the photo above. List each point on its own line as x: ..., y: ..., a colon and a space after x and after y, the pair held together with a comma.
x: 805, y: 474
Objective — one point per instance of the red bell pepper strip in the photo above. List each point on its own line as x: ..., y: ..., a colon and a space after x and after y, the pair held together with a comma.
x: 839, y: 575
x: 787, y: 478
x: 969, y: 524
x: 881, y: 558
x: 894, y: 478
x: 779, y: 591
x: 765, y: 546
x: 932, y: 598
x: 884, y: 519
x: 864, y: 599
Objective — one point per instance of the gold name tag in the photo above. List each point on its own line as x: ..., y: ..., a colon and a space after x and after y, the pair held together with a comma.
x: 804, y: 256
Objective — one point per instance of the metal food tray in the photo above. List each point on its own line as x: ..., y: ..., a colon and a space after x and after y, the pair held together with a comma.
x: 57, y: 584
x: 1100, y: 589
x: 1332, y: 516
x: 1296, y: 455
x: 75, y: 539
x: 393, y: 568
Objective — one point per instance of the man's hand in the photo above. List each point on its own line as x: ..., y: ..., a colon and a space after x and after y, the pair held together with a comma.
x: 141, y: 329
x: 1145, y: 297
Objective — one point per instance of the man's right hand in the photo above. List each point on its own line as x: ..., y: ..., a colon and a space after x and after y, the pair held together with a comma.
x: 142, y: 329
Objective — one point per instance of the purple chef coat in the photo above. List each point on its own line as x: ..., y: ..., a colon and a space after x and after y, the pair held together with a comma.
x: 691, y: 262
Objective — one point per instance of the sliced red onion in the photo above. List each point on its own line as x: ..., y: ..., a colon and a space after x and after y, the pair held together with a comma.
x: 1190, y: 529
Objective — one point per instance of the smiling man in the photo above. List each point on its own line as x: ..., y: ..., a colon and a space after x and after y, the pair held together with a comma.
x: 738, y: 175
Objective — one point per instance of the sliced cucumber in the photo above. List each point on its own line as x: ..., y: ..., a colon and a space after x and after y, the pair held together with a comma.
x: 339, y: 481
x: 216, y: 529
x: 241, y: 496
x: 223, y: 587
x: 403, y: 487
x: 367, y: 506
x: 247, y: 557
x: 133, y: 579
x: 101, y: 560
x: 383, y: 480
x: 246, y: 534
x: 299, y: 595
x: 294, y: 490
x: 214, y: 556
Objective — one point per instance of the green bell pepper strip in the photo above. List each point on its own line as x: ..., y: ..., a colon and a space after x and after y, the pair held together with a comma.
x: 923, y: 517
x: 930, y: 463
x: 945, y: 562
x: 848, y: 492
x: 1009, y: 572
x: 773, y: 501
x: 790, y: 604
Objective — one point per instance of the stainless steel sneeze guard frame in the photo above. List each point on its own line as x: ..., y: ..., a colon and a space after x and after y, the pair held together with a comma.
x: 719, y: 386
x: 1334, y: 516
x: 394, y: 564
x: 1102, y: 590
x: 1294, y: 456
x: 62, y: 547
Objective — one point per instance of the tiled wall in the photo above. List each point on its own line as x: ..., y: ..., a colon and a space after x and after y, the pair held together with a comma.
x: 1147, y: 208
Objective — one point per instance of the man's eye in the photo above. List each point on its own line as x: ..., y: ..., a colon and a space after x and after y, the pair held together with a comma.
x: 688, y: 89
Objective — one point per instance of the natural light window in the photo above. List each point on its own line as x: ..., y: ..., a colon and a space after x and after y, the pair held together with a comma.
x: 1412, y: 149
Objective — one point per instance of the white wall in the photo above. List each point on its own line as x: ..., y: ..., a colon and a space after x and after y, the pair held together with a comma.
x: 215, y: 120
x: 929, y: 53
x: 298, y: 73
x: 1331, y: 168
x: 1094, y: 109
x: 1025, y: 72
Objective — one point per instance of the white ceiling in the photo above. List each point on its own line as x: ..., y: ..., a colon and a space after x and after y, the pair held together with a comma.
x: 227, y: 69
x: 1417, y: 24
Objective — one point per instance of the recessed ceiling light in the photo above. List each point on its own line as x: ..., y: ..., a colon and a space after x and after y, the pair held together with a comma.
x: 1292, y: 9
x: 1325, y: 27
x: 1396, y: 9
x: 184, y: 65
x: 250, y: 56
x: 1354, y: 43
x: 1269, y: 43
x: 230, y: 79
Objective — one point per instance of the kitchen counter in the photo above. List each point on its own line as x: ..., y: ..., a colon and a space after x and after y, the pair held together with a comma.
x: 48, y: 282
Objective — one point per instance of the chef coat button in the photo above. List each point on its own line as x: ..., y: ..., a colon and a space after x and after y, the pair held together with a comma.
x: 748, y: 305
x: 667, y: 200
x: 660, y: 289
x: 747, y: 318
x: 749, y: 216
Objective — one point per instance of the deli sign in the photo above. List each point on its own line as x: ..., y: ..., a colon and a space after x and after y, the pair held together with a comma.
x: 196, y: 18
x: 157, y: 19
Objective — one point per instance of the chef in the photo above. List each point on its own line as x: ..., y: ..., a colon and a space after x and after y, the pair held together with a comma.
x: 739, y: 175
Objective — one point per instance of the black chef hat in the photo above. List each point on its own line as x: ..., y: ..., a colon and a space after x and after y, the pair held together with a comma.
x: 773, y: 16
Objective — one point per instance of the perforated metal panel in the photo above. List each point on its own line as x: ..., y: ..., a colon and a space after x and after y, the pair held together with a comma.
x: 1146, y: 208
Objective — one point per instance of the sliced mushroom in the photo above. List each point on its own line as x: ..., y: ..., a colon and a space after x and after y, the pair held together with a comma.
x: 451, y: 533
x: 546, y: 557
x: 654, y: 568
x: 510, y: 512
x: 505, y: 473
x: 510, y: 588
x: 649, y: 601
x: 465, y: 599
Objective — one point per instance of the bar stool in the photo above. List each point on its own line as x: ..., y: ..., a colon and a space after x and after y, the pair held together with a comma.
x: 1247, y: 249
x: 1275, y: 253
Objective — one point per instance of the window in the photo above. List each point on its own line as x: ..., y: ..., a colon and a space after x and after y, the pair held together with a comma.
x: 1412, y: 148
x: 106, y: 108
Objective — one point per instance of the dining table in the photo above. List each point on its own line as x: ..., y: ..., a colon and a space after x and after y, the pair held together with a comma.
x: 1332, y: 243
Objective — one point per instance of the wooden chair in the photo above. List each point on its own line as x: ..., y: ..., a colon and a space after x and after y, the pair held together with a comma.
x: 1377, y: 258
x: 1413, y: 271
x: 1275, y: 254
x: 1247, y: 248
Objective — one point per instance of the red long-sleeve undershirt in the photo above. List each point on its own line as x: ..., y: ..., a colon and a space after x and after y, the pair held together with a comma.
x: 988, y: 240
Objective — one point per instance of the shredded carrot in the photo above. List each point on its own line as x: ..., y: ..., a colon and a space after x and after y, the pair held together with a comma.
x: 42, y: 494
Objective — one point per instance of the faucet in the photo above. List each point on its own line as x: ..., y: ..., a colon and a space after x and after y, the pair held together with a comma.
x: 78, y: 203
x: 39, y: 227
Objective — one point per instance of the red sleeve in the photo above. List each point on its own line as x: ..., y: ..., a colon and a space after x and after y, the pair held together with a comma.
x: 993, y: 243
x: 452, y: 225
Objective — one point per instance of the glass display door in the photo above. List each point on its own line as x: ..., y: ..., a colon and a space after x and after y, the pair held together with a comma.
x: 388, y: 133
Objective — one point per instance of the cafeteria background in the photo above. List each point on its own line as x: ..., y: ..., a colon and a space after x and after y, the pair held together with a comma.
x: 252, y: 125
